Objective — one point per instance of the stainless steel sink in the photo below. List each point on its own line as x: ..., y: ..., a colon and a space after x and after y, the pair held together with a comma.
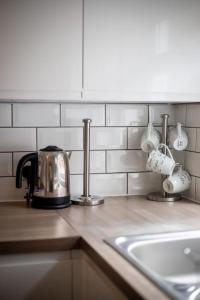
x: 170, y: 260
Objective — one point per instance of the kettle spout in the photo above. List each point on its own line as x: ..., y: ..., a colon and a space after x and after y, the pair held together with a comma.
x: 69, y: 153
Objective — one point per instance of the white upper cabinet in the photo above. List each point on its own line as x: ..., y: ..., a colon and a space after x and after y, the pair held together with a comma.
x: 146, y: 50
x: 134, y: 50
x: 40, y: 49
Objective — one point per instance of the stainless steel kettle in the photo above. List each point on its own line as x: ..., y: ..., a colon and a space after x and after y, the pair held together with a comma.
x: 47, y: 176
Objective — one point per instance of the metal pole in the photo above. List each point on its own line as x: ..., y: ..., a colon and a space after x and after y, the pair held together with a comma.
x: 86, y: 199
x: 165, y: 118
x: 164, y: 129
x: 86, y: 159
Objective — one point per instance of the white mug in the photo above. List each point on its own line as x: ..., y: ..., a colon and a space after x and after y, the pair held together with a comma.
x: 159, y: 162
x: 178, y: 138
x: 150, y: 138
x: 178, y: 182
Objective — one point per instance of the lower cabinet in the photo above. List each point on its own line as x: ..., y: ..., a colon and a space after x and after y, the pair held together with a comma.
x: 69, y: 275
x: 38, y: 276
x: 90, y: 282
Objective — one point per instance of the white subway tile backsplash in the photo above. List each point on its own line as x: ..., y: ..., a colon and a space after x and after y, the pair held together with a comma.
x: 197, y: 198
x: 65, y: 138
x: 76, y: 184
x: 126, y: 115
x: 115, y: 148
x: 5, y: 115
x: 97, y: 162
x: 179, y: 156
x: 192, y: 138
x: 155, y: 111
x: 193, y: 113
x: 72, y: 114
x: 109, y: 184
x: 198, y: 140
x: 192, y: 163
x: 101, y: 184
x: 134, y: 137
x: 192, y: 159
x: 9, y: 191
x: 5, y: 164
x: 143, y: 183
x: 126, y: 161
x: 76, y: 162
x: 190, y: 194
x: 36, y: 115
x: 17, y: 139
x: 108, y: 138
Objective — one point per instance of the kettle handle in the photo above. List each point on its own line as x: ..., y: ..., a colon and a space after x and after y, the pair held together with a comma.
x: 32, y: 157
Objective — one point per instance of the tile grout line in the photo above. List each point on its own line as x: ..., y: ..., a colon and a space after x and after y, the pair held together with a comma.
x: 196, y: 140
x: 127, y: 183
x: 111, y: 173
x: 78, y: 126
x: 191, y: 151
x: 79, y: 150
x: 148, y: 111
x: 196, y: 176
x: 36, y: 139
x: 186, y: 115
x: 12, y: 115
x: 121, y: 102
x: 127, y: 137
x: 106, y: 162
x: 195, y: 188
x: 12, y: 162
x: 105, y: 114
x: 60, y: 114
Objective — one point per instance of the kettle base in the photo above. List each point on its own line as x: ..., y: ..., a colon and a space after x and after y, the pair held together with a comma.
x: 50, y: 203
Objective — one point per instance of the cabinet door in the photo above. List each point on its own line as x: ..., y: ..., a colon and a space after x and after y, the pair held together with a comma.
x: 142, y: 50
x: 89, y: 282
x: 41, y: 49
x: 36, y: 276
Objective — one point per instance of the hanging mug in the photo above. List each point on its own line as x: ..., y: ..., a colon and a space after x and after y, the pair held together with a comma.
x: 159, y: 162
x: 150, y: 138
x: 178, y: 182
x: 178, y: 138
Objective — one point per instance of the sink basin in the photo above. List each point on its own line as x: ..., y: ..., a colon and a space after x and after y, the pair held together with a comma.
x: 170, y: 260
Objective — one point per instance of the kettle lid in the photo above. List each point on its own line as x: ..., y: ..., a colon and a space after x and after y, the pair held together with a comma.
x: 51, y: 149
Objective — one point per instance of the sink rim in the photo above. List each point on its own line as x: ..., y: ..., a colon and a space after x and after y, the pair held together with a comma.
x: 152, y: 238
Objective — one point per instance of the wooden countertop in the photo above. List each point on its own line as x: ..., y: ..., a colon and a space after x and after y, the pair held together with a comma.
x: 26, y: 229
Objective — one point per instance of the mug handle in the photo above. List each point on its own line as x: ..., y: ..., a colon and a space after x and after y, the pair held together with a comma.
x: 179, y: 166
x: 167, y: 148
x: 149, y: 130
x: 179, y: 129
